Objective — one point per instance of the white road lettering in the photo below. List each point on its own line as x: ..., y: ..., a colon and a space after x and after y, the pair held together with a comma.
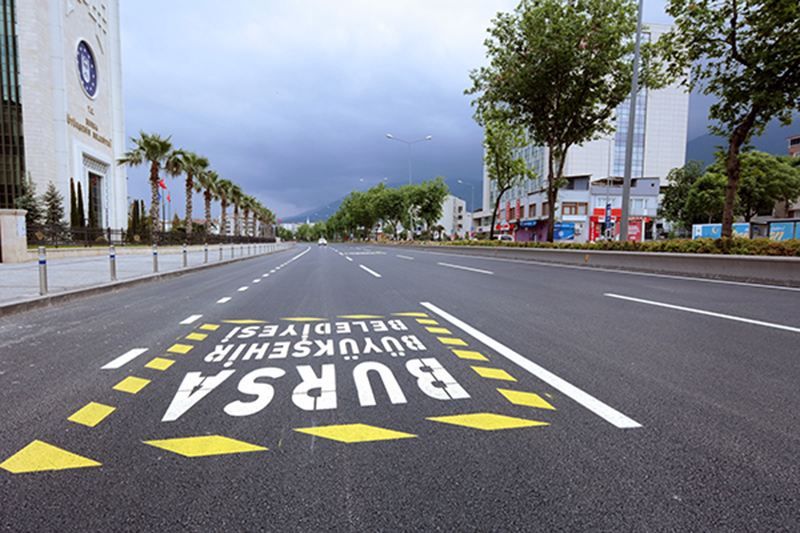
x: 187, y: 396
x: 366, y: 396
x: 263, y: 392
x: 316, y: 393
x: 434, y: 380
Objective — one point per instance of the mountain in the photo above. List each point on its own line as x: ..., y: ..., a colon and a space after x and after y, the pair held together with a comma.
x: 772, y: 141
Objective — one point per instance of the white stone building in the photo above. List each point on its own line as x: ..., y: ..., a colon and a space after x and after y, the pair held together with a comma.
x: 65, y: 74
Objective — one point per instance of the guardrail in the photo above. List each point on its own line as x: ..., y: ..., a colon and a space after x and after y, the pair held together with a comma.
x: 746, y: 268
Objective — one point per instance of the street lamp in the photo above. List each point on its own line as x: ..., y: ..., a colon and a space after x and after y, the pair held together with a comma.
x: 473, y: 192
x: 409, y: 143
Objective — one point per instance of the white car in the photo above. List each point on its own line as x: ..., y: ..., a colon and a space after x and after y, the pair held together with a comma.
x: 322, y: 241
x: 505, y: 238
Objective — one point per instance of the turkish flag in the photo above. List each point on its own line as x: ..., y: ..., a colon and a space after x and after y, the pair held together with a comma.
x: 162, y: 184
x: 168, y: 198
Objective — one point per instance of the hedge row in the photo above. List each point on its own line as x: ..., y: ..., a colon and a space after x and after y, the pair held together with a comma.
x: 789, y: 248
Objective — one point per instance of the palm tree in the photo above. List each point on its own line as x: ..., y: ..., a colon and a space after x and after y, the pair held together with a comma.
x: 207, y: 184
x: 224, y: 193
x: 193, y: 165
x: 150, y: 148
x: 249, y: 204
x: 235, y: 195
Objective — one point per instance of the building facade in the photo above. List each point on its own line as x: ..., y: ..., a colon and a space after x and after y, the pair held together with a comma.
x: 62, y: 102
x: 594, y: 174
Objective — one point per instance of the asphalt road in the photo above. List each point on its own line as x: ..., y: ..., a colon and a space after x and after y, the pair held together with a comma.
x: 358, y: 388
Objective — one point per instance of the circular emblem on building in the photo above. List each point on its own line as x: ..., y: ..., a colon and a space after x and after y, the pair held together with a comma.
x: 87, y: 70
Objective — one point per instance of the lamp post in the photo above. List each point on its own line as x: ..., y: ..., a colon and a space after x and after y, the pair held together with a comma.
x: 473, y: 193
x: 409, y: 143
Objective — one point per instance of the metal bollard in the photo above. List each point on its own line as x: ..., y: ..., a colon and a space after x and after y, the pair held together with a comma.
x: 232, y: 248
x: 241, y: 250
x: 220, y: 252
x: 112, y: 262
x: 155, y: 258
x: 184, y: 256
x: 206, y: 258
x: 42, y: 271
x: 248, y: 249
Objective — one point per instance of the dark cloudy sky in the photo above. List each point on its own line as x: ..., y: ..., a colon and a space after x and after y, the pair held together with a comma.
x: 293, y: 100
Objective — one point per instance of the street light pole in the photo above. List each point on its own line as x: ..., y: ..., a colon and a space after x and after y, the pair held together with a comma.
x: 409, y: 143
x: 626, y: 182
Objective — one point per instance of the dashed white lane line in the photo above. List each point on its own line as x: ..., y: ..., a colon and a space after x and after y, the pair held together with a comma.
x: 349, y: 259
x: 609, y: 414
x: 223, y: 300
x: 125, y: 358
x: 478, y: 270
x: 242, y: 289
x: 256, y: 281
x: 405, y: 257
x: 370, y: 271
x: 706, y: 313
x: 191, y: 319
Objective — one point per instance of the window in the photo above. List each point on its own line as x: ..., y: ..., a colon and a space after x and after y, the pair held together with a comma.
x: 574, y: 208
x: 513, y: 213
x: 546, y: 209
x: 795, y: 142
x: 532, y: 210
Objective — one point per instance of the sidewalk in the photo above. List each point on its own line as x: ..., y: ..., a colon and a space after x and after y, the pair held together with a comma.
x: 69, y: 277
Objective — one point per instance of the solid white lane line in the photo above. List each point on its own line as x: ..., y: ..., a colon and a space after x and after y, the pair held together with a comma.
x: 706, y: 313
x: 191, y: 319
x: 370, y: 271
x: 478, y: 270
x: 609, y: 414
x: 223, y: 300
x: 405, y: 257
x: 124, y: 359
x: 242, y: 289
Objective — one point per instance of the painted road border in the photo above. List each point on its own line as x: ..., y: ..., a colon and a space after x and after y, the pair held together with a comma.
x: 604, y: 411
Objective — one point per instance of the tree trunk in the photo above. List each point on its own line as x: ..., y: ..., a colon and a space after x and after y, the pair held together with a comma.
x: 207, y: 196
x: 189, y: 191
x: 732, y: 165
x: 551, y: 188
x: 222, y: 226
x: 155, y: 219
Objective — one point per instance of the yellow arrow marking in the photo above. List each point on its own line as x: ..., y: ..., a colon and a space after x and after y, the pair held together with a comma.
x: 91, y: 414
x: 355, y: 433
x: 488, y: 421
x: 205, y: 445
x: 39, y: 456
x: 525, y: 398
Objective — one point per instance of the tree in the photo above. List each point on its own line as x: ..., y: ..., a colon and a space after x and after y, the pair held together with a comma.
x: 560, y: 69
x: 193, y: 165
x: 680, y: 180
x: 501, y: 140
x: 92, y: 212
x: 152, y: 149
x: 706, y: 198
x: 207, y: 183
x: 745, y: 54
x: 73, y: 206
x: 30, y: 202
x: 427, y: 198
x: 235, y: 195
x: 393, y: 207
x: 54, y: 206
x: 223, y: 193
x: 81, y: 212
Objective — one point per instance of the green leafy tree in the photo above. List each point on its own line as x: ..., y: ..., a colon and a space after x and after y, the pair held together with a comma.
x: 680, y: 182
x: 155, y: 151
x: 193, y: 165
x: 284, y: 234
x: 393, y: 208
x: 561, y: 69
x: 54, y: 206
x: 501, y: 142
x: 426, y: 200
x: 745, y: 54
x: 30, y: 202
x: 706, y: 199
x: 92, y: 212
x: 81, y: 212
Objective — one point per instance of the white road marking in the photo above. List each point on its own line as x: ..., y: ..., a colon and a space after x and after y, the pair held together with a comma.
x: 256, y: 281
x: 604, y: 411
x: 223, y: 300
x: 124, y: 359
x: 405, y: 257
x: 706, y: 313
x: 370, y: 271
x: 191, y: 319
x: 349, y: 259
x: 242, y: 289
x: 478, y: 270
x: 265, y: 276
